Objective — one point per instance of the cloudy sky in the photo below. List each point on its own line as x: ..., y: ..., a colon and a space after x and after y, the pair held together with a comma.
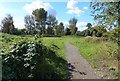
x: 63, y: 11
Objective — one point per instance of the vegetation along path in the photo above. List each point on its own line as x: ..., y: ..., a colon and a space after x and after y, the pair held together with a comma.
x: 78, y: 67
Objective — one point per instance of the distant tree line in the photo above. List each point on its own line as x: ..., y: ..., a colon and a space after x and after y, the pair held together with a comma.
x: 41, y: 23
x: 97, y: 31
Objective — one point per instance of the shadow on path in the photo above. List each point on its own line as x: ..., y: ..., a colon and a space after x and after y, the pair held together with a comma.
x: 78, y: 67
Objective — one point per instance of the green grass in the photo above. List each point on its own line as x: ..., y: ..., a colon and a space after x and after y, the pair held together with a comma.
x: 98, y: 53
x: 7, y: 40
x: 53, y: 42
x: 59, y: 42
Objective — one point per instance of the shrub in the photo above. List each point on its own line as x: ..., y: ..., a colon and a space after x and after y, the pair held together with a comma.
x: 31, y: 60
x: 99, y: 34
x: 78, y: 33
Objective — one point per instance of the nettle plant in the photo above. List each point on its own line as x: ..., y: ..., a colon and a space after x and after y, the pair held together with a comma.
x: 22, y: 57
x: 26, y: 60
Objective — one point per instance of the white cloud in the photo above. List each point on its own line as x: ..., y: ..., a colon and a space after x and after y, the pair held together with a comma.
x: 66, y: 23
x: 77, y: 11
x: 81, y: 26
x: 70, y: 11
x: 85, y: 7
x: 39, y: 4
x: 19, y: 22
x: 72, y: 4
x: 1, y: 17
x: 74, y: 9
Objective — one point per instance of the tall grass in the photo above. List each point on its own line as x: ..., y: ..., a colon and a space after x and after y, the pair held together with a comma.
x: 100, y: 53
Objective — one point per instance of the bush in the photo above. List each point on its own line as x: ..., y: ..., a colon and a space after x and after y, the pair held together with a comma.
x: 87, y: 33
x: 97, y: 31
x: 31, y: 60
x: 98, y: 34
x: 78, y: 33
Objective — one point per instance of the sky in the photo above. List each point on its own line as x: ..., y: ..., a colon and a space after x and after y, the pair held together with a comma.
x: 63, y: 11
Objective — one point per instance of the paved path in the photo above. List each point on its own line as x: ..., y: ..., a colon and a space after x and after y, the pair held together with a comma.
x: 79, y: 68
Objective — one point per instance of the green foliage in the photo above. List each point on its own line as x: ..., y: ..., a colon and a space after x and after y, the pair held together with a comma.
x: 20, y: 31
x: 78, y: 33
x: 99, y: 34
x: 32, y: 60
x: 89, y: 25
x: 40, y: 14
x: 7, y: 24
x: 114, y: 35
x: 59, y: 29
x: 67, y: 31
x: 97, y: 31
x: 108, y: 14
x: 29, y: 23
x: 72, y: 26
x: 73, y: 29
x: 51, y: 23
x: 87, y: 33
x: 37, y: 36
x: 40, y: 17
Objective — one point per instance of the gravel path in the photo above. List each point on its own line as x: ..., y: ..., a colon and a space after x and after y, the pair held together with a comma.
x: 78, y: 67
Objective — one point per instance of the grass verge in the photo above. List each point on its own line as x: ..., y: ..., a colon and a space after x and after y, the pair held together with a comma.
x: 101, y: 54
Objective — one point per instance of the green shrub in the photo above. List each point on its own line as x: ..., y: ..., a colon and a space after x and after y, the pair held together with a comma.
x: 98, y: 34
x: 78, y: 33
x: 31, y: 60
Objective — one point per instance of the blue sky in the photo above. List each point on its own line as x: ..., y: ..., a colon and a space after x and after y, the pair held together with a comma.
x: 63, y: 11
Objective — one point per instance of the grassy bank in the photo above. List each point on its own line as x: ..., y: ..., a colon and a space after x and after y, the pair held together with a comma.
x: 101, y: 54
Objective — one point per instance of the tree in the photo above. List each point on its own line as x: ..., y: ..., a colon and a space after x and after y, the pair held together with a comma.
x: 51, y: 23
x: 89, y: 25
x: 7, y: 25
x: 108, y: 14
x: 40, y: 16
x: 59, y: 29
x: 78, y: 33
x: 72, y: 25
x: 19, y: 31
x: 67, y: 31
x: 73, y: 29
x: 29, y: 23
x: 49, y: 31
x: 73, y: 21
x: 93, y: 32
